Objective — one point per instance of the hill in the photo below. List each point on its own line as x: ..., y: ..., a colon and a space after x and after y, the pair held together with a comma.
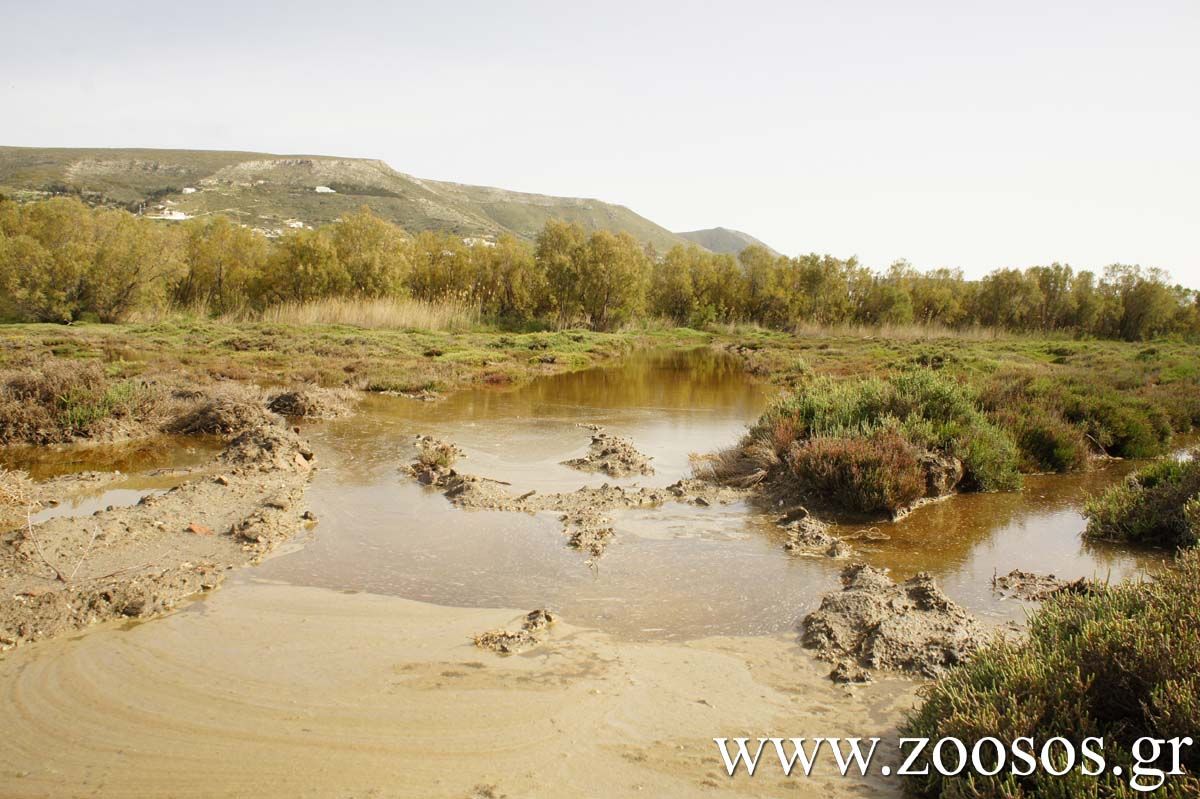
x: 270, y: 191
x: 720, y: 239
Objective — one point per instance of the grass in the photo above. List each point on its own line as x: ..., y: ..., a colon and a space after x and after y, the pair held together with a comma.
x: 372, y: 314
x: 1158, y: 505
x: 1119, y: 662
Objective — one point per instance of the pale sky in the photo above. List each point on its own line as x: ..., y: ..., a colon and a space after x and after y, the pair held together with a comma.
x: 958, y: 133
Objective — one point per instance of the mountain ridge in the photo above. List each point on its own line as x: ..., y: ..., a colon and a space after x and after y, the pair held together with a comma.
x: 274, y: 191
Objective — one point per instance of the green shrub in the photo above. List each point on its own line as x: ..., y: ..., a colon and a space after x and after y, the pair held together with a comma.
x: 1125, y: 428
x: 1048, y: 443
x: 1119, y: 663
x: 1155, y: 506
x: 919, y: 408
x: 882, y: 472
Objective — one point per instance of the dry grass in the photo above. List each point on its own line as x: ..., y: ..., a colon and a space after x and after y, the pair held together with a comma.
x: 374, y: 314
x: 16, y: 490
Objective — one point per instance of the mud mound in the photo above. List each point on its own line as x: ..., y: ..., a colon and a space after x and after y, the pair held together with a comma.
x: 612, y: 455
x: 224, y: 415
x: 810, y: 536
x: 532, y: 632
x: 309, y: 403
x: 1033, y: 587
x: 268, y: 447
x: 876, y: 623
x: 588, y: 531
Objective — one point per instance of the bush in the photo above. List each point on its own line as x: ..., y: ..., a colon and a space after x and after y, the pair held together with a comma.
x: 1157, y: 506
x: 879, y: 473
x: 1048, y: 443
x: 918, y: 409
x: 1119, y: 663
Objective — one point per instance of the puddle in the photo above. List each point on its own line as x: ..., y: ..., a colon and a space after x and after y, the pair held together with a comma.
x: 164, y: 452
x: 676, y: 572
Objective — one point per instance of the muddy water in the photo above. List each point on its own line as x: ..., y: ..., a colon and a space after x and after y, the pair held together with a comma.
x: 676, y: 572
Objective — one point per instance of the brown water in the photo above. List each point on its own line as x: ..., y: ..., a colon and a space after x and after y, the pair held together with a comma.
x: 678, y: 571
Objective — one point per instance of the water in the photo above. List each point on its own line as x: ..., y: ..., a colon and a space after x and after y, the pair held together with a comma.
x: 675, y: 572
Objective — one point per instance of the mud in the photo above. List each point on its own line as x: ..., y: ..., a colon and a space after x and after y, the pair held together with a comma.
x: 612, y: 455
x: 582, y: 512
x: 139, y: 561
x: 808, y: 535
x: 875, y: 623
x: 311, y: 402
x: 533, y: 630
x: 1033, y: 587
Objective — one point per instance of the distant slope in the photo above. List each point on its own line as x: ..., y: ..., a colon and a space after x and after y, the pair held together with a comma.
x: 267, y: 191
x: 720, y: 239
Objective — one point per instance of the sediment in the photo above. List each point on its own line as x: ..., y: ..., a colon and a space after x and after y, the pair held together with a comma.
x: 875, y: 623
x: 138, y: 561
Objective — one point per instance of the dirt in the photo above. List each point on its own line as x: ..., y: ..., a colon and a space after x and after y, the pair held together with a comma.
x: 311, y: 402
x: 875, y: 623
x: 582, y: 515
x: 531, y: 633
x: 808, y: 535
x: 139, y: 561
x: 612, y: 455
x: 1033, y: 587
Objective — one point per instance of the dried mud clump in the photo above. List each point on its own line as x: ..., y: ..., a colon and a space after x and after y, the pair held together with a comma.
x: 588, y: 531
x: 875, y: 623
x: 226, y: 414
x: 533, y: 631
x: 269, y: 447
x: 309, y: 403
x: 808, y: 535
x: 612, y: 455
x: 1033, y: 587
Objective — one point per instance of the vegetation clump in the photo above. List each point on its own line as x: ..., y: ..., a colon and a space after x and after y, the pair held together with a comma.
x: 1158, y: 505
x: 1119, y: 662
x: 876, y: 444
x: 62, y: 401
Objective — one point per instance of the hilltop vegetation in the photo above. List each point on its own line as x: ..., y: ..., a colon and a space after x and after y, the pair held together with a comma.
x: 269, y: 191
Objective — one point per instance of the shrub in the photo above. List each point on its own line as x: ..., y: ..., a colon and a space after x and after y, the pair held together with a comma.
x: 1156, y: 506
x: 1118, y: 662
x: 880, y: 473
x: 1049, y: 443
x: 919, y: 409
x: 1127, y: 429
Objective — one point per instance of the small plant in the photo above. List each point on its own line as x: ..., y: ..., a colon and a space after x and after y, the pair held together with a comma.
x: 435, y: 454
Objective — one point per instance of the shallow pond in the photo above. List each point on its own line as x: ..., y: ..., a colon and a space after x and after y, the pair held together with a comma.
x: 678, y: 571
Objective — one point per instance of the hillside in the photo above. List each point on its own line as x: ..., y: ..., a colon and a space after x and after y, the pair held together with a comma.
x: 270, y: 191
x: 720, y: 239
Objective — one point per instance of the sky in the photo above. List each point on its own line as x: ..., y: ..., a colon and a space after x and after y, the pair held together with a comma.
x: 963, y: 134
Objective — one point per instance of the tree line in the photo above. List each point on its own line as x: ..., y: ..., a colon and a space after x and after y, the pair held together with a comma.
x: 62, y: 261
